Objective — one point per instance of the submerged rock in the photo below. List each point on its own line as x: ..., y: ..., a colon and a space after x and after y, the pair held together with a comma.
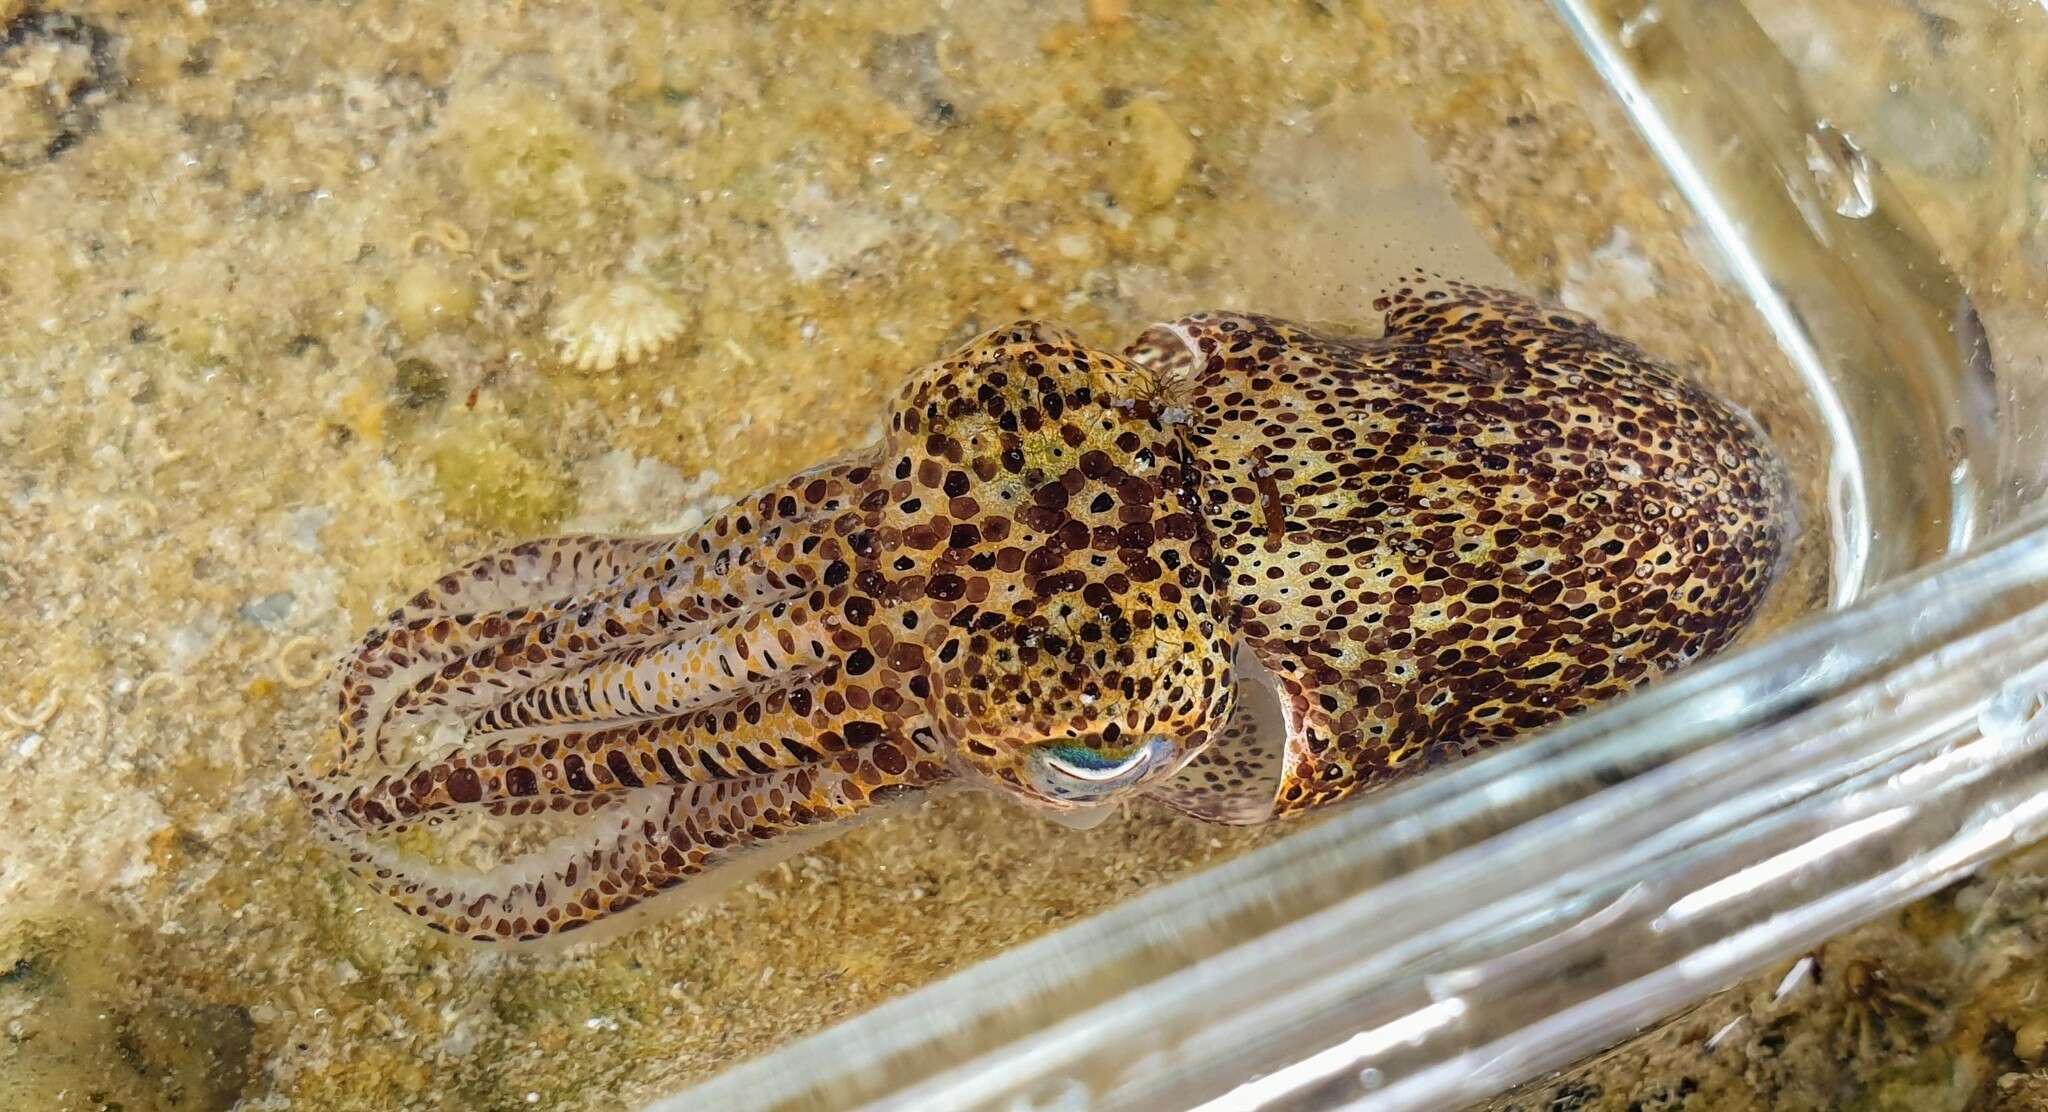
x: 428, y: 297
x: 57, y: 71
x: 268, y: 611
x: 1155, y: 154
x: 905, y: 71
x: 86, y: 1027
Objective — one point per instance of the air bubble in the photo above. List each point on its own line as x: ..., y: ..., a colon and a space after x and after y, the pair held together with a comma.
x: 1842, y: 169
x: 2008, y: 715
x: 1632, y: 28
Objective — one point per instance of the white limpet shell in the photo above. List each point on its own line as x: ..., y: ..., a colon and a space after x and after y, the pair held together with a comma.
x: 617, y: 324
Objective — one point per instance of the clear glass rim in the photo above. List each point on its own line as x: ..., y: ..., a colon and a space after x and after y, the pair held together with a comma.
x: 1204, y: 978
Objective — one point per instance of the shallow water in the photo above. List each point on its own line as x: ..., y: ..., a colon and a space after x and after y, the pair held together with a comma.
x: 274, y: 350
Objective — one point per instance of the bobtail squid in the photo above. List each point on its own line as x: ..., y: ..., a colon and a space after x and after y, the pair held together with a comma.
x: 1244, y: 568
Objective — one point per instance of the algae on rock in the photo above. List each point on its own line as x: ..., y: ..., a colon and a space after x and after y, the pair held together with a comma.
x: 82, y: 1029
x: 492, y: 475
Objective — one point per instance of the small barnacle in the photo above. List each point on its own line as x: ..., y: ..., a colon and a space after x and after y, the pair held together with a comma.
x: 621, y: 322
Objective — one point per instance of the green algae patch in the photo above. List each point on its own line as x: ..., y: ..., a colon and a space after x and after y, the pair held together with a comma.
x: 493, y: 476
x: 83, y: 1029
x: 526, y: 159
x: 419, y: 384
x: 1932, y: 1081
x: 1152, y: 157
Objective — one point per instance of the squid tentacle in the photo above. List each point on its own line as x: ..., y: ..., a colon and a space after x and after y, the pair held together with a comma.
x: 639, y: 845
x: 532, y: 573
x: 743, y: 736
x: 503, y: 655
x: 521, y: 585
x: 649, y: 713
x: 426, y: 650
x: 514, y: 590
x: 507, y: 812
x: 651, y: 680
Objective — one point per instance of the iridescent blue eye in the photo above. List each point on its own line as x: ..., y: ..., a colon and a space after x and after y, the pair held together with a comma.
x: 1093, y: 760
x: 1103, y: 767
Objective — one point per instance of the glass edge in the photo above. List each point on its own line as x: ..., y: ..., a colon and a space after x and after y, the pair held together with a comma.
x: 888, y: 1055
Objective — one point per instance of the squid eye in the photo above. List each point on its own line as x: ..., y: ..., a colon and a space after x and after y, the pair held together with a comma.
x: 1102, y: 766
x: 1083, y: 763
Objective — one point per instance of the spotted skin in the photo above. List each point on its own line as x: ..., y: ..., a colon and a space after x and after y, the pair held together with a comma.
x: 1242, y: 569
x: 1488, y: 517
